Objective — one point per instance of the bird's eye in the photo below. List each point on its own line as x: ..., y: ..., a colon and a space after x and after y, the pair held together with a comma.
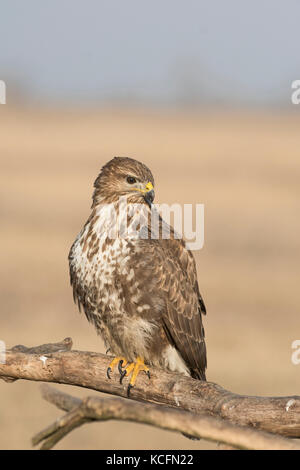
x: 131, y: 179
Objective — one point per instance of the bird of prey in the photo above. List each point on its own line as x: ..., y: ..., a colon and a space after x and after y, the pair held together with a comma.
x: 141, y: 293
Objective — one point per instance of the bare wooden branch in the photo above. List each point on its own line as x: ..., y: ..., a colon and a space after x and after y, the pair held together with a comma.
x: 200, y: 426
x: 64, y: 345
x: 277, y: 415
x: 63, y: 401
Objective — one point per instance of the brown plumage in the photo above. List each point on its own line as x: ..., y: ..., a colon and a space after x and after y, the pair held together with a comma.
x: 141, y: 294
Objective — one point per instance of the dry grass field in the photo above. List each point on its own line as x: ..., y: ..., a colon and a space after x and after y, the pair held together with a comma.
x: 245, y: 168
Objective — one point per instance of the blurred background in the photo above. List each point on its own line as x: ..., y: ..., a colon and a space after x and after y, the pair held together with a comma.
x: 201, y: 93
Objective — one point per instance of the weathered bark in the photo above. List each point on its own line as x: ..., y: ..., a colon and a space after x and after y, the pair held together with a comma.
x: 201, y: 426
x: 278, y: 415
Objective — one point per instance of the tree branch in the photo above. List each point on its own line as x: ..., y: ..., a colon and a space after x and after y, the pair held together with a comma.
x: 200, y: 426
x: 278, y: 415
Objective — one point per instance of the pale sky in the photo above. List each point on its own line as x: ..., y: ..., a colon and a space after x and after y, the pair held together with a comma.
x: 155, y: 51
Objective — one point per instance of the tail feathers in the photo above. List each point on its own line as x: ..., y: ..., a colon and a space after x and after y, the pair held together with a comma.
x: 198, y: 374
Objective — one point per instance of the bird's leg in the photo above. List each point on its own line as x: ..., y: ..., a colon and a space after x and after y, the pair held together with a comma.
x: 117, y: 360
x: 134, y: 368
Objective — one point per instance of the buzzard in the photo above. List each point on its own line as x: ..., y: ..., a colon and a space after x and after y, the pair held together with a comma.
x: 140, y: 292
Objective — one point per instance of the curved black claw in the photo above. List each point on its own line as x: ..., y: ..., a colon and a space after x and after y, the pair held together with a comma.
x: 120, y: 367
x: 108, y: 372
x: 128, y: 389
x: 122, y: 374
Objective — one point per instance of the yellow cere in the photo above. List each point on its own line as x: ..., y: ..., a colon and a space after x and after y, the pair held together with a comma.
x: 148, y: 187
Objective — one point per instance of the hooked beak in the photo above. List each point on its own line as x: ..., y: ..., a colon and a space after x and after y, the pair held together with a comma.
x: 149, y: 193
x: 149, y: 197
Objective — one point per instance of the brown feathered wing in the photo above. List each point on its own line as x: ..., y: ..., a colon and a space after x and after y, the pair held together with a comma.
x: 174, y: 279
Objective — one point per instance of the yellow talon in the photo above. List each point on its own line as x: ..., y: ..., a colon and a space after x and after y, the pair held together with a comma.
x: 117, y: 360
x: 134, y: 368
x: 128, y: 369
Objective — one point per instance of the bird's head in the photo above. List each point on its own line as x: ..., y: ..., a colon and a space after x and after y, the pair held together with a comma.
x: 123, y: 176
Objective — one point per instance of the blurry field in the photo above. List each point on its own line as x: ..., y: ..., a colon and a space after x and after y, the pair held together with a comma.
x: 244, y: 168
